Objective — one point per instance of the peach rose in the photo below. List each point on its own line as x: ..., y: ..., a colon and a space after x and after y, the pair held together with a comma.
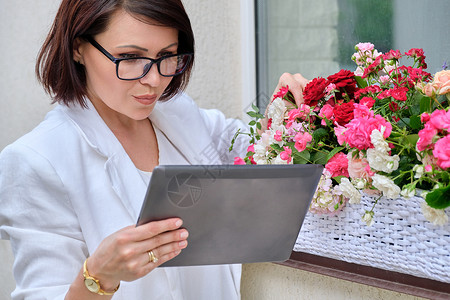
x: 356, y: 167
x: 441, y: 82
x: 429, y: 90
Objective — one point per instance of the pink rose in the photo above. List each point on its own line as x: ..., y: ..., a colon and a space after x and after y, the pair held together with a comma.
x: 439, y: 120
x: 362, y: 111
x: 277, y: 136
x: 441, y: 82
x: 363, y: 47
x: 339, y: 132
x: 251, y: 148
x: 286, y: 154
x: 301, y: 140
x: 428, y: 168
x: 326, y: 112
x: 358, y: 131
x: 425, y: 117
x: 338, y: 165
x: 426, y: 136
x: 239, y: 161
x: 442, y: 152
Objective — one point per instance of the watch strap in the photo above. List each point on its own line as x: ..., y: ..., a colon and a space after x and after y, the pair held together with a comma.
x: 100, y: 291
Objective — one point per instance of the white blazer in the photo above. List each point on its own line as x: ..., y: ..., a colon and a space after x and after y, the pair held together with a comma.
x: 69, y: 183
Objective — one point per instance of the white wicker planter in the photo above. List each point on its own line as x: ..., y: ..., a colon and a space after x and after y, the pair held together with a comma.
x: 400, y: 240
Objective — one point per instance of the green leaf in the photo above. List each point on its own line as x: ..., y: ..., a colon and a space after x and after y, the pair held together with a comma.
x: 415, y: 122
x: 276, y: 147
x: 301, y: 158
x: 258, y: 125
x: 320, y: 134
x: 252, y: 114
x: 339, y: 178
x: 439, y: 198
x: 319, y: 158
x: 425, y: 104
x: 361, y: 82
x: 333, y: 152
x: 255, y: 108
x: 252, y: 123
x: 412, y: 138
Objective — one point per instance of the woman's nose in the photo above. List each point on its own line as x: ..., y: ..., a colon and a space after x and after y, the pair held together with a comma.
x: 152, y: 78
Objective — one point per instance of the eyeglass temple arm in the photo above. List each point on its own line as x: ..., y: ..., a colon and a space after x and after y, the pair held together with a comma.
x: 101, y: 49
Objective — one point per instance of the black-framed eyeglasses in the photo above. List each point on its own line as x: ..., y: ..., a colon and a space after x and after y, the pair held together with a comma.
x: 133, y: 68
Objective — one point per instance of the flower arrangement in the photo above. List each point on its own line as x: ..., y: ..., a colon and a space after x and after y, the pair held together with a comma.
x: 382, y: 130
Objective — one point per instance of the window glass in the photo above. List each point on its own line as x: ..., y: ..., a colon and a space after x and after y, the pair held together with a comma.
x: 317, y: 38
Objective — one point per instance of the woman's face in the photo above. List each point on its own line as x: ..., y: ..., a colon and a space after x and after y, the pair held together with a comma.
x: 126, y: 37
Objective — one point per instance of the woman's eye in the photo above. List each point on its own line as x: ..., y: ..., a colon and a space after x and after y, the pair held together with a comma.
x: 127, y: 55
x: 165, y: 53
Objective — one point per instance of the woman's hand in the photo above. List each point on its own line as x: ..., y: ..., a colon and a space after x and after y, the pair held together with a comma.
x: 296, y: 83
x: 124, y: 255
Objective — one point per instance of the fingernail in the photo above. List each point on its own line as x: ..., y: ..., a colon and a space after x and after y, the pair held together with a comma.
x: 184, y: 234
x: 179, y: 223
x: 182, y: 244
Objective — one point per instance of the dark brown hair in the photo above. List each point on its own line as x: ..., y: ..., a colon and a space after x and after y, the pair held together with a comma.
x: 65, y: 80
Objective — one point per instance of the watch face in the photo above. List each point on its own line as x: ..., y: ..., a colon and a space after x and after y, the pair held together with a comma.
x: 92, y: 285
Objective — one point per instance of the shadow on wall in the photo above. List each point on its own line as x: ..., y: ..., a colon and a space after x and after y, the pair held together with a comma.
x: 6, y: 277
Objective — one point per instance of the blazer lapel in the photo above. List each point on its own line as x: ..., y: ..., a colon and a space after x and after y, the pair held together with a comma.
x: 121, y: 171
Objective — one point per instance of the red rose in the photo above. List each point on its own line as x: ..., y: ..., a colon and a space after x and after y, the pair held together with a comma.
x: 393, y: 54
x: 343, y: 113
x: 345, y: 82
x: 342, y: 78
x: 314, y: 91
x: 373, y: 67
x: 399, y: 93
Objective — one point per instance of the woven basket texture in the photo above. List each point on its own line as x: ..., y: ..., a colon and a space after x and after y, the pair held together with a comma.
x: 400, y: 240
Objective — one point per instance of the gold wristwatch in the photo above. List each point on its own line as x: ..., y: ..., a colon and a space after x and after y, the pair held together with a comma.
x: 92, y: 284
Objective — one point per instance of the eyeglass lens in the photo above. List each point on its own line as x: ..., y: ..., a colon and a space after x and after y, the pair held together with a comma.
x: 137, y: 67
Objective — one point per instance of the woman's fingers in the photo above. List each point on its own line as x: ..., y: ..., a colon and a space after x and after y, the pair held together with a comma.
x: 296, y: 83
x: 124, y: 254
x: 146, y: 231
x: 163, y: 253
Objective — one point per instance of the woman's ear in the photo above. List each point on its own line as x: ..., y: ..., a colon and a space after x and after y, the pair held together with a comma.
x: 78, y: 46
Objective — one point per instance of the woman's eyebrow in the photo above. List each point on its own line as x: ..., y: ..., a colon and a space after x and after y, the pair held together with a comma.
x: 133, y: 46
x: 144, y: 49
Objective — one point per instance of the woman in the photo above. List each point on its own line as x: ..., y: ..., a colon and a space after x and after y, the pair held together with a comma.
x: 71, y: 190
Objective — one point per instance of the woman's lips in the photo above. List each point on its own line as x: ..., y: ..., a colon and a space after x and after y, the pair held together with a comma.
x: 145, y: 99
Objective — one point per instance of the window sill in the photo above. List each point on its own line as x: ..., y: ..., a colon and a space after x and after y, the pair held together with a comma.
x: 394, y: 281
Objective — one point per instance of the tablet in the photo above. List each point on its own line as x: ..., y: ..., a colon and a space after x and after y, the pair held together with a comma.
x: 233, y: 213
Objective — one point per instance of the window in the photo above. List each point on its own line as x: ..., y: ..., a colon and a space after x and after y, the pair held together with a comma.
x: 317, y: 38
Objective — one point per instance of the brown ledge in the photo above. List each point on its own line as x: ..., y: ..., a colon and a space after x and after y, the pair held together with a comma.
x: 394, y: 281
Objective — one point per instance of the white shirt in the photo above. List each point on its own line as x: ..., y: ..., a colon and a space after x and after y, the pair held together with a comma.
x: 69, y: 183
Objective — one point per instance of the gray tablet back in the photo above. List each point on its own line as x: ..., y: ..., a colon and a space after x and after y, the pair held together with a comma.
x: 234, y: 213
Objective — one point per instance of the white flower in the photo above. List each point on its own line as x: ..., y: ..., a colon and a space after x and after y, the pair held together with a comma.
x: 349, y: 191
x: 260, y: 156
x: 359, y: 183
x: 276, y: 112
x: 386, y: 185
x: 408, y: 191
x: 435, y: 216
x: 377, y: 139
x: 359, y: 71
x: 381, y: 161
x: 278, y: 161
x: 419, y: 171
x: 368, y: 218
